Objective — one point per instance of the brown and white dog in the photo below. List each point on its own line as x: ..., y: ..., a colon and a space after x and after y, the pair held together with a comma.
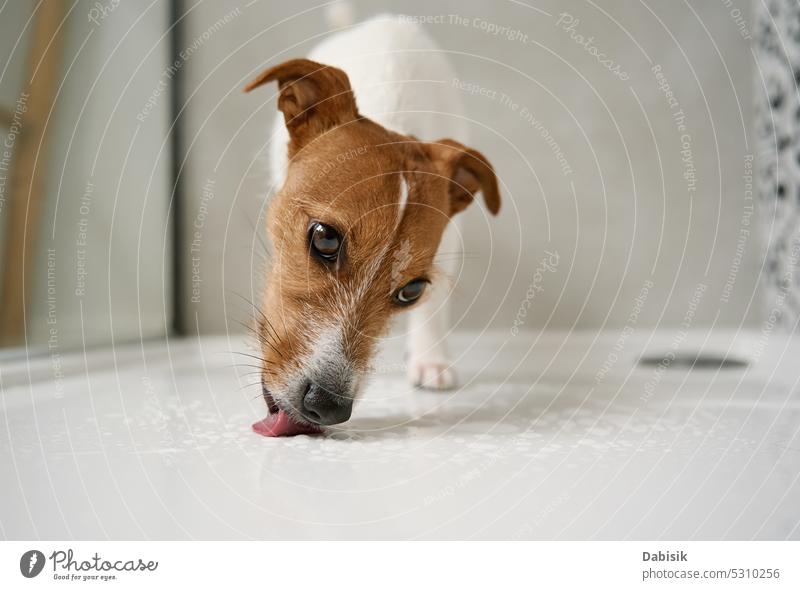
x: 359, y: 217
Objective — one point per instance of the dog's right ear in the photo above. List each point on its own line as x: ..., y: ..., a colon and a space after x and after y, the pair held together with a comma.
x: 314, y: 98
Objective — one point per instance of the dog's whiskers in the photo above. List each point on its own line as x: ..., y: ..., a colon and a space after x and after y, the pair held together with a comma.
x: 263, y: 337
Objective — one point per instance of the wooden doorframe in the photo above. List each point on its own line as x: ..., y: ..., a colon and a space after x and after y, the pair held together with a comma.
x: 25, y: 189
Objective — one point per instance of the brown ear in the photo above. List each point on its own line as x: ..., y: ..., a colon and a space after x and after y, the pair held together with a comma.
x: 469, y: 172
x: 314, y: 98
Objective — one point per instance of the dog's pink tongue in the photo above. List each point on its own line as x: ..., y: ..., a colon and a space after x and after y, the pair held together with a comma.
x: 280, y: 424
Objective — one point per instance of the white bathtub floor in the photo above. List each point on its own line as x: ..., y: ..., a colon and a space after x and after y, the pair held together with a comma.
x: 542, y: 442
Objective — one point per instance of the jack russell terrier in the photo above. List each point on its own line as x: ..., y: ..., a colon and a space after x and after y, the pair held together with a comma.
x: 362, y: 210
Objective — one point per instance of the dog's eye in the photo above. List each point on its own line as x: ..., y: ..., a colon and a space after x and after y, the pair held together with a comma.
x: 325, y: 241
x: 409, y: 293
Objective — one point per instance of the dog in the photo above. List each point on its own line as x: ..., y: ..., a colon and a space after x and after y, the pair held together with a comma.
x: 363, y: 207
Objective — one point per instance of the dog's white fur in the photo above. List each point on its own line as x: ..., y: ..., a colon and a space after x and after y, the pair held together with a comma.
x: 404, y: 82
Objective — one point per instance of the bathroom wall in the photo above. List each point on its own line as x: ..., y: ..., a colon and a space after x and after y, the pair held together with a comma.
x: 103, y: 258
x: 621, y: 133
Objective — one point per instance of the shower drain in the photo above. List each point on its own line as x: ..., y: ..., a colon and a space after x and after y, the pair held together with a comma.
x: 693, y: 360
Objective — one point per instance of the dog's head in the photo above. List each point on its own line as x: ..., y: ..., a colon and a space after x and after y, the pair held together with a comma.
x: 354, y: 229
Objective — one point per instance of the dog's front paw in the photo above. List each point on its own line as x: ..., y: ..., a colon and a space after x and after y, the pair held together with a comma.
x: 431, y: 375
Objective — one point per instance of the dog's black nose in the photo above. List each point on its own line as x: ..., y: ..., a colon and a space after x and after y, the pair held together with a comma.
x: 325, y: 407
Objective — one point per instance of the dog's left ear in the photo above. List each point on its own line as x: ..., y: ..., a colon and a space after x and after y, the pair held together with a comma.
x: 314, y: 98
x: 469, y: 172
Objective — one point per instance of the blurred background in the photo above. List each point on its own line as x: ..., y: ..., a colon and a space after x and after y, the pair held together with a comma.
x: 637, y: 146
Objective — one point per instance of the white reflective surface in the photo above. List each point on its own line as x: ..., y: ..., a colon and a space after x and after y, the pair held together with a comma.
x: 541, y: 442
